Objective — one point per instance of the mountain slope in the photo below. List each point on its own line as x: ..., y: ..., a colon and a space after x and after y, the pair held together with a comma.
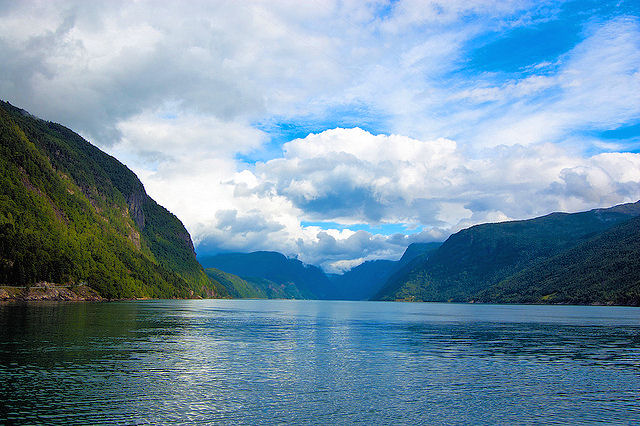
x: 71, y: 213
x: 365, y: 280
x: 254, y: 288
x: 309, y: 280
x: 603, y: 269
x: 416, y: 250
x: 273, y: 275
x: 476, y: 258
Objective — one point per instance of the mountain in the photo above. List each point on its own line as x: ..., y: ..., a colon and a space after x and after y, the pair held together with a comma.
x: 417, y: 249
x: 254, y: 288
x: 475, y: 259
x: 603, y: 269
x: 266, y: 274
x: 310, y: 281
x: 365, y: 280
x: 70, y: 213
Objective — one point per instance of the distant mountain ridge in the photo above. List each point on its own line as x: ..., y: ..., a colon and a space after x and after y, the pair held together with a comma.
x: 366, y: 280
x: 70, y: 213
x: 471, y: 262
x: 309, y: 280
x: 266, y: 274
x: 602, y: 269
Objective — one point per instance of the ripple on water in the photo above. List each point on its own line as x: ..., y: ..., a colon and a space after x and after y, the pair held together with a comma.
x: 318, y: 362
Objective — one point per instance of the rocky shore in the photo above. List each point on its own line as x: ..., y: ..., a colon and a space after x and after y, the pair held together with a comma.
x: 44, y: 291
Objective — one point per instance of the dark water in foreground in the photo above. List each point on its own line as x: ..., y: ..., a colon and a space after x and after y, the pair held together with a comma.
x: 245, y: 361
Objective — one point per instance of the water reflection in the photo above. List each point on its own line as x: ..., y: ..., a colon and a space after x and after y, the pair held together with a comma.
x: 594, y: 345
x: 317, y: 362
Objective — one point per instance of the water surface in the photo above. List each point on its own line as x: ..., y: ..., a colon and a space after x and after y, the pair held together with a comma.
x: 270, y: 361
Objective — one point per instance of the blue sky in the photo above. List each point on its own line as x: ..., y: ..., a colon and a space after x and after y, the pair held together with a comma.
x: 342, y: 131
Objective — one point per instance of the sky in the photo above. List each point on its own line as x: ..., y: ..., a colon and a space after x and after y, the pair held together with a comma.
x: 341, y: 131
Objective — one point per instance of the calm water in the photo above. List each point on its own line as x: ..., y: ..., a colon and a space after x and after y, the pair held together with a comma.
x: 246, y: 361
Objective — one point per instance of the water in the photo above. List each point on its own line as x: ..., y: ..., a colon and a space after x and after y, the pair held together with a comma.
x: 268, y: 361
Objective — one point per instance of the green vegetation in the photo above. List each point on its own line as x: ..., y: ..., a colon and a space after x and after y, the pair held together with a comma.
x: 254, y: 288
x: 604, y: 269
x: 69, y: 213
x: 366, y: 279
x: 473, y: 260
x: 266, y: 268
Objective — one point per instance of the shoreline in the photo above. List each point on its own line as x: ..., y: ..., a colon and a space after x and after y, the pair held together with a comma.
x: 45, y: 291
x: 49, y: 292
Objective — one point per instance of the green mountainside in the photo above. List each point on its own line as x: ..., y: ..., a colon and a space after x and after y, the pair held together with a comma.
x: 296, y: 279
x: 254, y: 288
x: 603, y: 269
x: 266, y: 274
x: 416, y: 250
x: 69, y: 213
x: 477, y: 258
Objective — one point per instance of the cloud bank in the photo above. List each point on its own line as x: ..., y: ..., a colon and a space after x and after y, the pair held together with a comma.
x: 342, y: 131
x: 350, y: 176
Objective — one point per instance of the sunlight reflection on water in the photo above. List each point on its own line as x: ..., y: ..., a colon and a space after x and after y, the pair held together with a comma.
x: 252, y: 361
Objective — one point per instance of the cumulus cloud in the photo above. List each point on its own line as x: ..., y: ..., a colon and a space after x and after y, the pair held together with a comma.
x: 350, y: 176
x: 353, y: 176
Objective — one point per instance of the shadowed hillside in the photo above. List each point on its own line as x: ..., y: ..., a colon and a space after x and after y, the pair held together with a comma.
x: 365, y: 280
x: 273, y: 275
x: 309, y: 281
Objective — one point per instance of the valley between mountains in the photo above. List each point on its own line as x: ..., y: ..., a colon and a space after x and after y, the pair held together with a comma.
x: 73, y: 215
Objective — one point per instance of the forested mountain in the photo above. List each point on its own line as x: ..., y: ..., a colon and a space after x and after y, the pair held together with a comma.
x: 416, y: 250
x: 603, y: 269
x: 254, y: 288
x: 475, y: 259
x: 304, y: 281
x: 70, y: 213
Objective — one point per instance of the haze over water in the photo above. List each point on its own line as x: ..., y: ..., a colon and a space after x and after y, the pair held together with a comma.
x: 266, y: 361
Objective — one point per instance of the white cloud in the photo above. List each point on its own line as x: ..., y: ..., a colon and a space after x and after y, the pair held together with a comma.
x: 231, y: 60
x: 175, y: 93
x: 593, y: 86
x: 352, y: 176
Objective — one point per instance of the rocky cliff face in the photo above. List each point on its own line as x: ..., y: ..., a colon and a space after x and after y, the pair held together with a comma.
x: 135, y: 201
